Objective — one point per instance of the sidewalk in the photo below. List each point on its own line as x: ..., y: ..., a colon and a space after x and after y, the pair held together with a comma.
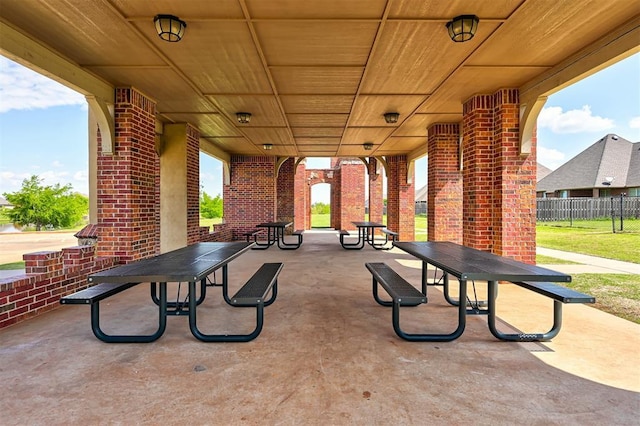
x: 588, y: 264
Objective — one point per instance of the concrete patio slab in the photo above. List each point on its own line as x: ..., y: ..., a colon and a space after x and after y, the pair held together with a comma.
x: 327, y: 356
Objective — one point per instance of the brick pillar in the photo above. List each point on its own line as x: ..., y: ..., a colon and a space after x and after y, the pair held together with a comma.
x: 376, y: 202
x: 444, y: 196
x: 499, y: 183
x: 351, y: 192
x: 128, y: 213
x: 514, y: 198
x: 477, y: 172
x: 400, y: 198
x: 285, y: 193
x: 301, y: 197
x: 250, y: 198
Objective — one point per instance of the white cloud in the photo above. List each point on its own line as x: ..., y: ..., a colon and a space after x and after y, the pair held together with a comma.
x: 573, y: 121
x: 550, y: 158
x: 634, y: 123
x: 21, y: 88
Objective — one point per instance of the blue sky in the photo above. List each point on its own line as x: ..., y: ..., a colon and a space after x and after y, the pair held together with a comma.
x: 43, y: 127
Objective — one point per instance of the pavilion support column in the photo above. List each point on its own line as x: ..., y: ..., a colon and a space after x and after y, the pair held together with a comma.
x: 127, y: 198
x: 444, y: 195
x: 375, y: 191
x: 250, y: 197
x: 400, y: 198
x: 302, y: 195
x: 515, y: 183
x: 498, y: 182
x: 179, y: 187
x: 351, y: 192
x: 285, y: 193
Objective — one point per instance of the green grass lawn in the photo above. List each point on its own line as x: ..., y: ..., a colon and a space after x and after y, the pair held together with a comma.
x: 590, y: 237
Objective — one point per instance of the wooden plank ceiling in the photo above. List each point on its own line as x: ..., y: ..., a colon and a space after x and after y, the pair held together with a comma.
x: 317, y: 76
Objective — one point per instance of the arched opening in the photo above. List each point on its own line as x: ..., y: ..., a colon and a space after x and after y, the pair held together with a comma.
x: 320, y: 205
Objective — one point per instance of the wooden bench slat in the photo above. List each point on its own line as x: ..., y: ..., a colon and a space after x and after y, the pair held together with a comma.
x: 557, y: 292
x: 255, y: 290
x: 397, y: 287
x: 94, y: 294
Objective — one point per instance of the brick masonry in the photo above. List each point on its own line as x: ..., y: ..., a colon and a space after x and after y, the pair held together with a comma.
x: 400, y: 198
x: 444, y: 198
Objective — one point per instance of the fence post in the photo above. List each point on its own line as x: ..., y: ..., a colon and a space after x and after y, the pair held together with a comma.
x: 613, y: 217
x: 622, y: 211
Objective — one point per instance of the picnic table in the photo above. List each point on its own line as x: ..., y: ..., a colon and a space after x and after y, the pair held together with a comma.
x: 470, y: 265
x: 366, y: 234
x: 275, y: 235
x: 192, y: 264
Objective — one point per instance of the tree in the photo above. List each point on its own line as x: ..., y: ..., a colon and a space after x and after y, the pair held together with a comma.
x: 46, y: 206
x: 320, y: 208
x: 211, y: 207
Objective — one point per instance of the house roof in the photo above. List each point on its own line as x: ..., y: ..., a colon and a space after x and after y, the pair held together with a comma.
x: 421, y: 194
x: 542, y: 172
x: 611, y: 159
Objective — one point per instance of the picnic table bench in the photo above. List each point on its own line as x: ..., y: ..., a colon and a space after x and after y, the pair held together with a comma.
x: 468, y: 264
x: 190, y: 264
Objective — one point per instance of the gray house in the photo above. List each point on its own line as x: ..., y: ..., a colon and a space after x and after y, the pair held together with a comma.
x: 609, y: 167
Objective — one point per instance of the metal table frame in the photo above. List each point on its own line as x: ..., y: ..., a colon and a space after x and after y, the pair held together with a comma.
x: 275, y: 235
x: 191, y: 264
x: 468, y: 264
x: 366, y: 234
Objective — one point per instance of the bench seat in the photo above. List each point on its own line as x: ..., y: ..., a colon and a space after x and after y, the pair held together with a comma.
x: 94, y: 294
x: 255, y: 290
x: 557, y: 292
x: 249, y: 234
x: 390, y: 233
x: 398, y: 288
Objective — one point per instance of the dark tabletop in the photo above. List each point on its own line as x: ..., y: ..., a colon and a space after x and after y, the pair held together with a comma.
x: 470, y: 264
x: 191, y: 263
x: 368, y: 224
x: 274, y: 224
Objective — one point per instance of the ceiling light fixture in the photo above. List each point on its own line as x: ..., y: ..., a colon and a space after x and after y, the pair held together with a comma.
x: 463, y: 27
x: 170, y: 28
x: 267, y: 146
x: 368, y: 146
x: 391, y: 117
x: 243, y: 117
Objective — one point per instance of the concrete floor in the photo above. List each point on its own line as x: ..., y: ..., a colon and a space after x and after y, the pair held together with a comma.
x: 327, y: 356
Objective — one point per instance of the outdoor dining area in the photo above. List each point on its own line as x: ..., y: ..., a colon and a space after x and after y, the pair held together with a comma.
x: 327, y: 354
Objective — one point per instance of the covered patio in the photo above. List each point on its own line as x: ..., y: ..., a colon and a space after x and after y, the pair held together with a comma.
x: 327, y: 355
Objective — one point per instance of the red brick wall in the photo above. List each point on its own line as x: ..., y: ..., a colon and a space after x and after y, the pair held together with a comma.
x: 400, y: 198
x: 285, y: 194
x: 51, y: 275
x: 499, y: 183
x: 301, y: 197
x: 128, y: 205
x: 376, y: 202
x: 352, y: 175
x: 193, y: 185
x: 444, y: 197
x: 514, y: 200
x: 477, y: 151
x: 250, y: 198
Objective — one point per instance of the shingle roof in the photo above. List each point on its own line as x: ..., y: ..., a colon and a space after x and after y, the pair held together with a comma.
x: 610, y: 157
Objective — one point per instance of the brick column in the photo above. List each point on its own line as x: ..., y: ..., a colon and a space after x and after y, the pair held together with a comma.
x: 514, y: 198
x: 128, y: 213
x: 375, y: 191
x: 444, y: 196
x: 250, y: 198
x: 285, y: 194
x: 351, y: 192
x: 499, y: 183
x: 477, y: 174
x: 301, y: 197
x: 400, y: 198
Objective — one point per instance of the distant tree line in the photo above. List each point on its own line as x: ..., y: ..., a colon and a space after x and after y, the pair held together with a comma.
x: 211, y: 208
x: 46, y: 207
x: 320, y: 208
